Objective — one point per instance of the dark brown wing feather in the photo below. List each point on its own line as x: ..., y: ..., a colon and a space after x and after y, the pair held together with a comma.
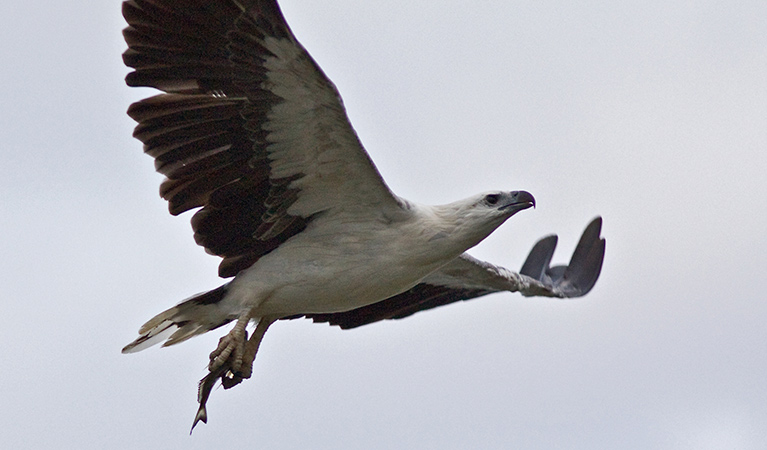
x: 249, y: 127
x: 198, y: 46
x: 421, y: 297
x: 206, y: 135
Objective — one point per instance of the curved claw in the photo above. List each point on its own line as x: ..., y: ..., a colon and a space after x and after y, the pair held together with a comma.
x: 579, y: 276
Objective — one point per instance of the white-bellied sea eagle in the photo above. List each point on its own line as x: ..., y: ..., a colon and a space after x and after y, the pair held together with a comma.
x: 249, y: 130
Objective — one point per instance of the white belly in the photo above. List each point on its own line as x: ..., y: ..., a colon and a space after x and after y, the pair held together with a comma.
x: 313, y: 273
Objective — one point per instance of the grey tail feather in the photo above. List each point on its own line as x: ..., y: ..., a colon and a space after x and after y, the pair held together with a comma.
x: 195, y: 315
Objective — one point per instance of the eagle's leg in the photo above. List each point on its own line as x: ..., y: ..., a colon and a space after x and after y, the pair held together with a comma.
x: 249, y: 354
x: 231, y: 347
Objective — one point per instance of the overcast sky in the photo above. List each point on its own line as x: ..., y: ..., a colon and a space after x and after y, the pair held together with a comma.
x: 652, y: 114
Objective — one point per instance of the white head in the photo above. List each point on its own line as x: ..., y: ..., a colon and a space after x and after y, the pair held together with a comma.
x: 472, y: 219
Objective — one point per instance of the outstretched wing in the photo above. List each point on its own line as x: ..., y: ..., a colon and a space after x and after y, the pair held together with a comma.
x: 466, y: 278
x: 249, y: 128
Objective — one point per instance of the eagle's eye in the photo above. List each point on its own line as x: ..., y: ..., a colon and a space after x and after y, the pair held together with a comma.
x: 492, y: 199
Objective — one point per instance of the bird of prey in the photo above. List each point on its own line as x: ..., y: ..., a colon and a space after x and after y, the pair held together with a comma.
x: 250, y: 130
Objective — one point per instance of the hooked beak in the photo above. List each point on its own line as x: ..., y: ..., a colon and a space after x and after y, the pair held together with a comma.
x: 519, y: 200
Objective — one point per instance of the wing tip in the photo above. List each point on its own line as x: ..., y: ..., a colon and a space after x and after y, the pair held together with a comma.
x: 586, y: 263
x: 539, y: 258
x: 581, y: 274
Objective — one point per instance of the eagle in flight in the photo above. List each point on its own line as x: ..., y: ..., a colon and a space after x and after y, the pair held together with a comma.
x: 250, y: 130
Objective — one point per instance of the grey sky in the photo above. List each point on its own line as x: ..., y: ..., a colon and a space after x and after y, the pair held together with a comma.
x: 652, y: 114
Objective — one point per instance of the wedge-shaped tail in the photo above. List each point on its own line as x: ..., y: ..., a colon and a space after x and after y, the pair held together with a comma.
x: 196, y: 315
